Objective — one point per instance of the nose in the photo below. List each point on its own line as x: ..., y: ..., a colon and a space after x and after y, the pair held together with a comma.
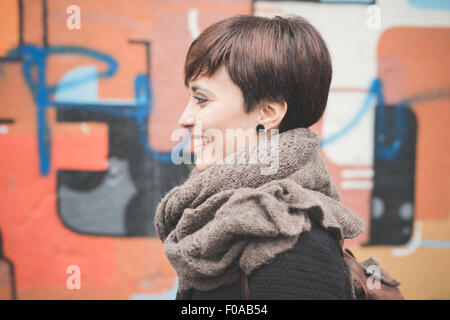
x: 187, y: 118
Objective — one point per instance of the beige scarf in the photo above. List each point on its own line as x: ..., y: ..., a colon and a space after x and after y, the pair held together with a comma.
x: 229, y: 218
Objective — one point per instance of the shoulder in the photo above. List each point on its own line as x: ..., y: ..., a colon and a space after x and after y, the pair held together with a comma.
x: 312, y: 269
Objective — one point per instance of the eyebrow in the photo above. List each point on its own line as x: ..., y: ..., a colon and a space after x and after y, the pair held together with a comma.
x: 196, y: 87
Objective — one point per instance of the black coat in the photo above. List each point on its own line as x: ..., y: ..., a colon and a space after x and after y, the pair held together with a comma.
x: 312, y: 269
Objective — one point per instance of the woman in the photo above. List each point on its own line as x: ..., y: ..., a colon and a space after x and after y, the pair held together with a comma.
x: 274, y: 220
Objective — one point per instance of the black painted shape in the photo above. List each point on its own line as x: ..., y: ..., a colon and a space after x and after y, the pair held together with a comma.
x: 10, y: 59
x: 146, y: 44
x: 151, y: 178
x: 20, y: 22
x: 81, y: 180
x: 393, y: 179
x: 44, y: 24
x: 6, y: 120
x: 10, y: 265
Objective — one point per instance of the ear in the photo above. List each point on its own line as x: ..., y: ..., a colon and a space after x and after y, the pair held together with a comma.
x: 271, y: 114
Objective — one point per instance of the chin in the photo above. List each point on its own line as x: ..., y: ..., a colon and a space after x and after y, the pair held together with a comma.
x: 201, y: 166
x: 208, y: 161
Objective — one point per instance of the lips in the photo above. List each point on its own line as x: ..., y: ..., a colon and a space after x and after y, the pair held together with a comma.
x: 201, y: 141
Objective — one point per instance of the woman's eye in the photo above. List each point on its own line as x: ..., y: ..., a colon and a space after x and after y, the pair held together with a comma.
x: 200, y: 100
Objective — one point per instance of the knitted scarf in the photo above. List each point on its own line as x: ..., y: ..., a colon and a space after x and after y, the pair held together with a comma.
x: 229, y: 218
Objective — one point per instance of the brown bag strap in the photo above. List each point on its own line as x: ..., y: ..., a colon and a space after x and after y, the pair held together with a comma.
x: 244, y: 286
x: 359, y: 273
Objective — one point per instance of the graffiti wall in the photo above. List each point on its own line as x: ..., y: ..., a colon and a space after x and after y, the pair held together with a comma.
x: 91, y: 91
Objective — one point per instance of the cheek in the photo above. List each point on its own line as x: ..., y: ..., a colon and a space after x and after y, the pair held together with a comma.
x: 216, y: 119
x: 220, y: 117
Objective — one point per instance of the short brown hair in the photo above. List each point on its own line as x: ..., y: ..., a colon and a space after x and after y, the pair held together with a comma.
x: 269, y: 59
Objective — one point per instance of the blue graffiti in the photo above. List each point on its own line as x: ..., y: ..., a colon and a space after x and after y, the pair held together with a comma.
x: 435, y: 244
x: 375, y: 92
x: 35, y: 58
x: 430, y: 4
x: 388, y: 153
x: 383, y: 151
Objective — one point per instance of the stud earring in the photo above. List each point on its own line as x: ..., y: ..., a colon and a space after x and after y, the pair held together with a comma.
x: 260, y: 128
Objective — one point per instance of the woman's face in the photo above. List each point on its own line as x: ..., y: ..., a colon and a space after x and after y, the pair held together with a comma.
x: 216, y: 119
